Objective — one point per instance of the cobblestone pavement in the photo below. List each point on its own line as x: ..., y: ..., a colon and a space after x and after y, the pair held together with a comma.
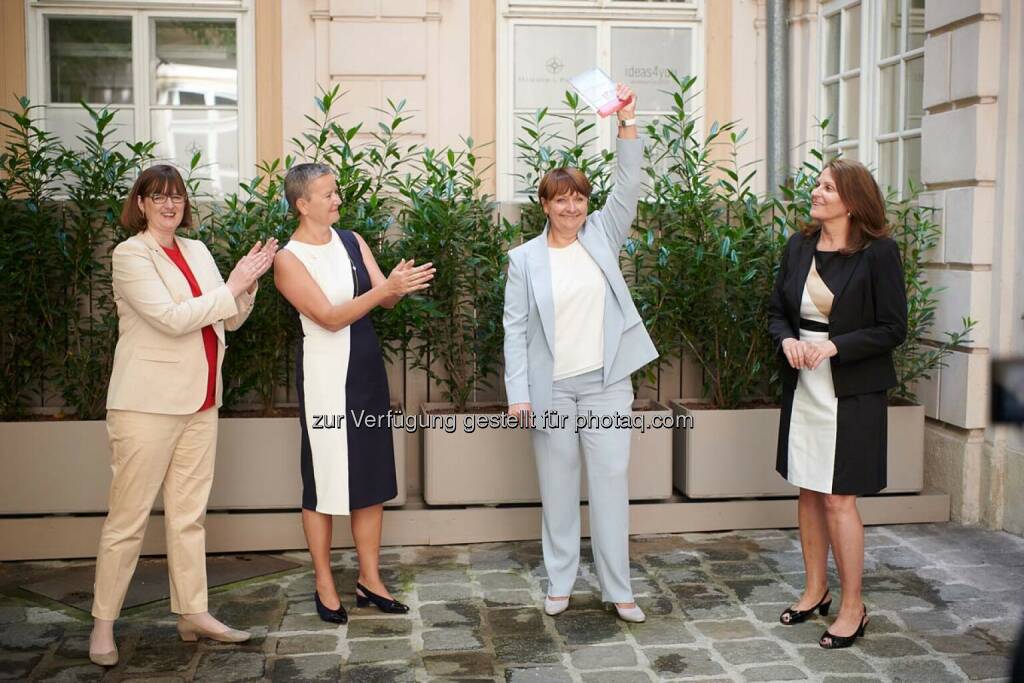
x: 945, y: 603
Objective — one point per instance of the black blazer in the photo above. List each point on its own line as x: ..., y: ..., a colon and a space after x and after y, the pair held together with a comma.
x: 868, y: 319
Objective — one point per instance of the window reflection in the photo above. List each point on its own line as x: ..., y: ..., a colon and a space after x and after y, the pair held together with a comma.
x: 90, y: 60
x: 545, y: 58
x: 195, y: 63
x: 180, y: 133
x: 642, y: 57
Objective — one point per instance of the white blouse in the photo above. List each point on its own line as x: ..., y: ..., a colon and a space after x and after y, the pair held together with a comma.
x: 578, y: 289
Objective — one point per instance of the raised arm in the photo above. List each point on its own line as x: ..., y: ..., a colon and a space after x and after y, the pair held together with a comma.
x: 619, y: 210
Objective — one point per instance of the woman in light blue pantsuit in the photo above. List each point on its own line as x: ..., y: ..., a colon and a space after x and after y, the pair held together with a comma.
x: 572, y: 339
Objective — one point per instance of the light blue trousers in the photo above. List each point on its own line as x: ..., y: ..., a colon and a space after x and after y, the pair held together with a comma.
x: 606, y: 450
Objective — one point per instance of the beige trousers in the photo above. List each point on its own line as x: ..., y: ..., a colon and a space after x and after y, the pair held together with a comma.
x: 151, y: 452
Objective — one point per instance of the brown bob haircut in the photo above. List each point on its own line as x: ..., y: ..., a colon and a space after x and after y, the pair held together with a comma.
x: 563, y: 180
x: 159, y: 179
x: 863, y: 200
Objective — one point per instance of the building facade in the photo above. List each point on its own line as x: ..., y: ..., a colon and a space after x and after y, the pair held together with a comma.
x: 926, y: 90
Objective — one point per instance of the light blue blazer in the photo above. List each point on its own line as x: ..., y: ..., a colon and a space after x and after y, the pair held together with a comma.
x: 529, y: 318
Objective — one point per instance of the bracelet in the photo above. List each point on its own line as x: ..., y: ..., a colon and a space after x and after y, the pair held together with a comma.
x: 624, y: 123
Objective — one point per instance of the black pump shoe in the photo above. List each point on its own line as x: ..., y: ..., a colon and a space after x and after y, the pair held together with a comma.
x: 796, y: 616
x: 383, y: 604
x: 835, y: 642
x: 333, y: 616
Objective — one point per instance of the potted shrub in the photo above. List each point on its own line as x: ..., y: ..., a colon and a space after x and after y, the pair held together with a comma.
x: 59, y: 321
x: 456, y: 325
x: 710, y: 254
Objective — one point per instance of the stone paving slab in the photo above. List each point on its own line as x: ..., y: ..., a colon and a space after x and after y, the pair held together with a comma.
x: 945, y: 605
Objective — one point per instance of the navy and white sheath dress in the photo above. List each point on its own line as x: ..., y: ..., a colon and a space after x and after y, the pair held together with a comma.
x: 347, y: 456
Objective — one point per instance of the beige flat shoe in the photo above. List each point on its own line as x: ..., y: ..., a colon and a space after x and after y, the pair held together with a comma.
x: 104, y: 658
x: 634, y: 614
x: 189, y: 632
x: 555, y: 607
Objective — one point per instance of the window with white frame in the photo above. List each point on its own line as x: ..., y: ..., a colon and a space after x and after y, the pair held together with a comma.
x: 872, y: 71
x: 171, y: 74
x: 636, y: 42
x: 900, y: 73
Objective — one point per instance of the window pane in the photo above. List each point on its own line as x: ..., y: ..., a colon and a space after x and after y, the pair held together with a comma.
x: 90, y: 59
x: 892, y: 24
x: 67, y: 124
x: 181, y: 133
x: 913, y: 89
x: 642, y: 58
x: 851, y: 108
x: 911, y: 163
x: 888, y: 165
x: 852, y: 153
x: 915, y: 36
x: 832, y: 45
x: 851, y: 39
x: 889, y: 99
x: 195, y: 62
x: 545, y: 58
x: 832, y: 111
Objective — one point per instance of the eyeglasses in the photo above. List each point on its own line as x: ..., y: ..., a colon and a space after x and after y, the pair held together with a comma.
x: 176, y: 199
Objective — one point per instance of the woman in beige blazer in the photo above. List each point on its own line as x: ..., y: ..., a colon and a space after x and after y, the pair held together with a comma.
x: 165, y: 388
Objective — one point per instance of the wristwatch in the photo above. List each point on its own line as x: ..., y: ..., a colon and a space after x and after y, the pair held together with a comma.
x: 623, y: 123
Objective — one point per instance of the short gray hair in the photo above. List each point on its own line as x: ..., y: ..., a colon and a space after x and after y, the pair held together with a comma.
x: 298, y: 179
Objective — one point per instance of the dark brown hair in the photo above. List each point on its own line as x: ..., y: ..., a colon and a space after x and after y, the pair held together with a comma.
x: 863, y: 200
x: 159, y: 179
x: 563, y: 180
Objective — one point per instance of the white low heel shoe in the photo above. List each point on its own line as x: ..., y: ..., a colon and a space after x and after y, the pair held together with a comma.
x: 555, y: 607
x: 633, y: 614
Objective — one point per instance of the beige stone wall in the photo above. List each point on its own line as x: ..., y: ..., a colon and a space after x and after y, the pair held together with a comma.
x: 1007, y: 306
x: 971, y: 161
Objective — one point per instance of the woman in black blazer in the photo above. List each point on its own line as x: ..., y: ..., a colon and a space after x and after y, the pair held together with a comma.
x: 838, y: 310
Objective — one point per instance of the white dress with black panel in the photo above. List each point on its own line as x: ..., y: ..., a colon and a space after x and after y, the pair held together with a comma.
x: 834, y: 445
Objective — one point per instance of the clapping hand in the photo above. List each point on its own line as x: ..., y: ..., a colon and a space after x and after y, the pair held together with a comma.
x: 251, y: 267
x: 407, y: 277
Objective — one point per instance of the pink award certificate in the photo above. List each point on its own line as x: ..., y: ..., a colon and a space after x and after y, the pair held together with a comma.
x: 598, y: 90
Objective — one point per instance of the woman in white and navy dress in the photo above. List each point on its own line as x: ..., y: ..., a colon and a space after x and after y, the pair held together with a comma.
x: 347, y: 458
x: 838, y: 310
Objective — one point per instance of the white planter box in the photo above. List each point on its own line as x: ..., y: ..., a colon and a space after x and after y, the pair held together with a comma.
x: 731, y: 453
x: 494, y: 466
x: 64, y: 466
